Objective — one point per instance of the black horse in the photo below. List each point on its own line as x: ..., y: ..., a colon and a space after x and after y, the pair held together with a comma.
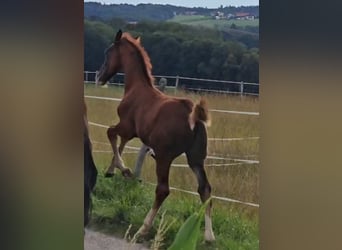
x: 90, y: 175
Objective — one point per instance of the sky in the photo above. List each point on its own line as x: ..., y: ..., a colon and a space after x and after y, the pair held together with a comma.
x: 187, y: 3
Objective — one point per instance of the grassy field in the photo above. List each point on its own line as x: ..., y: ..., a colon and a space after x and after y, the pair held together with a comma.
x: 209, y: 22
x: 119, y: 202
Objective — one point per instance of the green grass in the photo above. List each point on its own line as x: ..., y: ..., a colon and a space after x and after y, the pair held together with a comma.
x: 119, y: 203
x: 209, y: 22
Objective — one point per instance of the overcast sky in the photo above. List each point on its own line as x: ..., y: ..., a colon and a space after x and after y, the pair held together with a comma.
x: 187, y: 3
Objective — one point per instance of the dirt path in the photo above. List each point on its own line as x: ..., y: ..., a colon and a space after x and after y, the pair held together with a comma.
x: 98, y: 241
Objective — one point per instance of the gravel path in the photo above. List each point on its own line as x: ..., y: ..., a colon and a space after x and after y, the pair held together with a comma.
x: 98, y: 241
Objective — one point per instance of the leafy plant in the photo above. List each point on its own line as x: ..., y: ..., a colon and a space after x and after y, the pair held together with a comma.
x: 186, y: 238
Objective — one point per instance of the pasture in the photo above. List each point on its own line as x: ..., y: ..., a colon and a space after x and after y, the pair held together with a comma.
x: 209, y: 22
x: 232, y: 169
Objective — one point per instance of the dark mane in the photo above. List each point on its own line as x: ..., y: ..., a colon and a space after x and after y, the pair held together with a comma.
x: 143, y: 56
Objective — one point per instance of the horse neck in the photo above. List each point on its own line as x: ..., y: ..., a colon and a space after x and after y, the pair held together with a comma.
x: 135, y: 78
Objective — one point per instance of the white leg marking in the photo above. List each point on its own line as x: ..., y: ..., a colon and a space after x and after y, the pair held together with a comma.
x: 148, y: 222
x: 208, y: 233
x: 191, y: 122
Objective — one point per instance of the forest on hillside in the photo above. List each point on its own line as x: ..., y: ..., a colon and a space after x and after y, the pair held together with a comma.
x: 177, y: 49
x: 155, y: 12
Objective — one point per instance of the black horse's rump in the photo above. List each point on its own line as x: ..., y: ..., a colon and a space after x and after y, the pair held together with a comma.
x: 90, y: 174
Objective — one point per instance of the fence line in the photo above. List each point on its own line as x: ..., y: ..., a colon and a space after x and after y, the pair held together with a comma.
x: 176, y: 164
x: 234, y: 112
x: 183, y: 78
x: 234, y: 139
x: 103, y: 98
x: 240, y: 161
x: 240, y: 90
x: 212, y: 110
x: 213, y: 196
x: 98, y: 125
x: 107, y: 151
x: 209, y: 139
x: 208, y: 165
x: 135, y: 150
x: 233, y: 159
x: 212, y: 157
x: 104, y: 143
x: 190, y: 192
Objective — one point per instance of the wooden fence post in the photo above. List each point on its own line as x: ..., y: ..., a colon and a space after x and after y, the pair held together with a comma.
x: 241, y: 89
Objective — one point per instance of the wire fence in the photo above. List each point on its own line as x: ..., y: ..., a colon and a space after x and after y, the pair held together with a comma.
x: 189, y: 84
x: 212, y: 110
x: 232, y: 160
x: 213, y: 157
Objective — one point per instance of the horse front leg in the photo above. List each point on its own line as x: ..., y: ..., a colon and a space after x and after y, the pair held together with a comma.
x: 140, y: 160
x: 117, y: 161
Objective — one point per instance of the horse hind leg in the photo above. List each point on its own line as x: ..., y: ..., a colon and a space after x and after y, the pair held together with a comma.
x: 112, y: 134
x: 204, y: 190
x: 162, y: 191
x: 196, y: 156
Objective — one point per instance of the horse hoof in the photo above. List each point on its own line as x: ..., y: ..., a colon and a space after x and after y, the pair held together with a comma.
x: 209, y: 236
x: 108, y: 175
x: 143, y: 230
x: 127, y: 173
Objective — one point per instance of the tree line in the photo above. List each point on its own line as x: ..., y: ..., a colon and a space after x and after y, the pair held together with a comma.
x: 177, y: 49
x: 155, y: 12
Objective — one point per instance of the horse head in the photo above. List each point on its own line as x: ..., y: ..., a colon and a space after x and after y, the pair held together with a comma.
x: 112, y: 61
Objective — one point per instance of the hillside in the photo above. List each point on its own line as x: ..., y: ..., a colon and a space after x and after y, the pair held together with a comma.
x: 234, y: 26
x: 195, y: 42
x: 177, y: 49
x: 156, y: 12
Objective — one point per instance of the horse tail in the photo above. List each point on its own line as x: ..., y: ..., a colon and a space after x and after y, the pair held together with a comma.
x: 201, y: 112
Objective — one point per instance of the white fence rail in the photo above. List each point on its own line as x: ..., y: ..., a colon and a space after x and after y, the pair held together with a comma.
x: 213, y: 157
x: 212, y: 110
x: 189, y: 83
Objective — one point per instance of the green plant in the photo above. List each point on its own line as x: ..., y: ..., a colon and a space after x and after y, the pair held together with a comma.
x: 187, y: 236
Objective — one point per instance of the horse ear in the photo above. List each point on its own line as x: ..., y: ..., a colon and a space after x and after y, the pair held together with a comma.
x: 138, y: 39
x: 118, y: 36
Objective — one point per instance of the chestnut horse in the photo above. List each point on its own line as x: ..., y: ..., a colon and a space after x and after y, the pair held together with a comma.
x: 168, y: 125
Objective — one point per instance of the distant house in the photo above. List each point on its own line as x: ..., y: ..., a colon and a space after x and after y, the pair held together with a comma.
x: 230, y: 16
x: 244, y: 16
x: 219, y: 15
